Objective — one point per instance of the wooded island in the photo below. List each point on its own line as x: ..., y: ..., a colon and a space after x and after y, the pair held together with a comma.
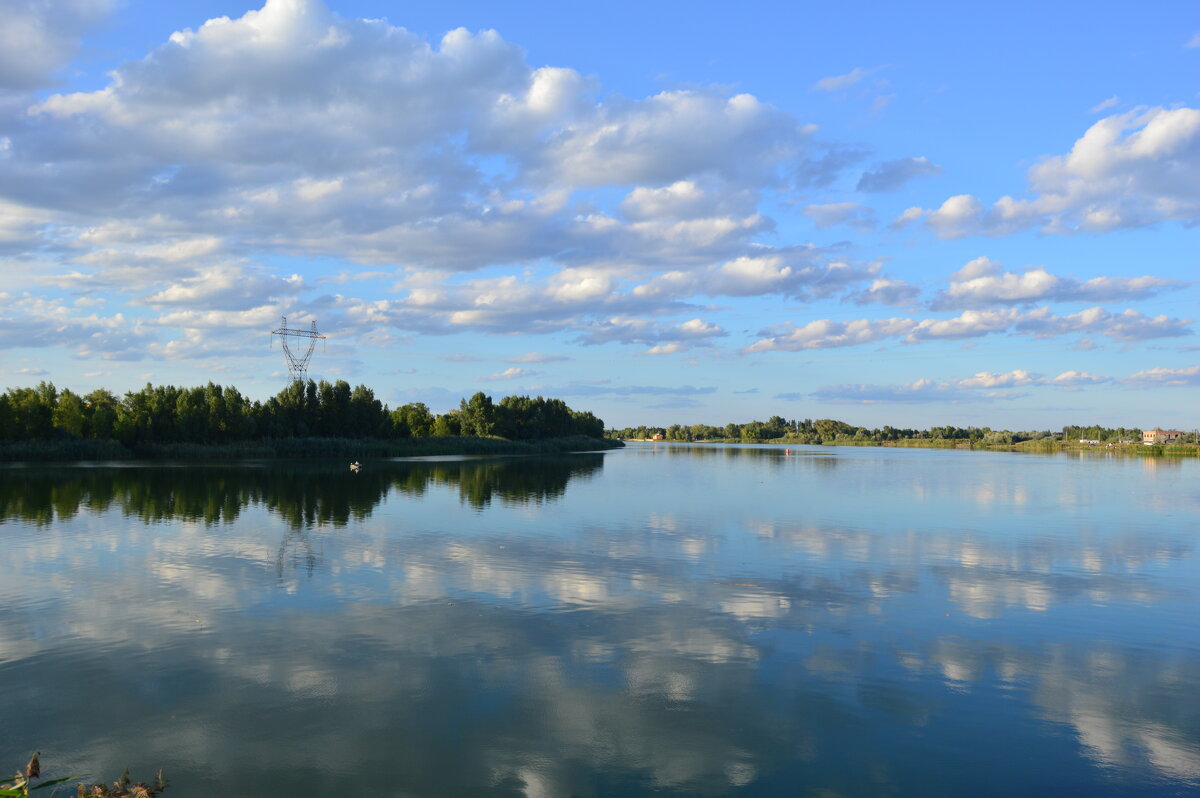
x: 304, y: 418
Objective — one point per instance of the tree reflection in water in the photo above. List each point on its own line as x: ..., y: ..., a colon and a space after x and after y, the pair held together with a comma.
x: 303, y: 495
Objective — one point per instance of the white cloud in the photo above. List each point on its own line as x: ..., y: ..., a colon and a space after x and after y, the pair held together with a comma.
x: 828, y: 334
x: 1011, y: 379
x: 969, y: 324
x: 795, y: 272
x: 983, y: 283
x: 1128, y: 325
x: 685, y: 199
x: 1104, y: 104
x: 886, y: 292
x: 36, y: 323
x: 1127, y: 170
x: 37, y: 38
x: 1074, y: 379
x: 840, y: 82
x: 513, y: 373
x: 984, y: 386
x: 227, y: 286
x: 663, y: 339
x: 1181, y: 377
x: 262, y: 317
x: 918, y: 391
x: 669, y: 137
x: 963, y: 215
x: 294, y: 130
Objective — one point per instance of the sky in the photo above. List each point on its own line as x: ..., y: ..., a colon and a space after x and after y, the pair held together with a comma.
x: 910, y: 214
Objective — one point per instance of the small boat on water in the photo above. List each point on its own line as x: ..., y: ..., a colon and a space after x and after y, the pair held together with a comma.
x: 356, y: 466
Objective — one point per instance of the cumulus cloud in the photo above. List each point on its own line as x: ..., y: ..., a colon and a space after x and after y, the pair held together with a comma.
x: 593, y: 307
x: 983, y: 386
x: 986, y: 379
x: 291, y: 131
x: 567, y: 300
x: 983, y: 283
x: 802, y: 273
x: 227, y: 286
x: 37, y: 39
x: 1074, y: 379
x: 670, y: 136
x: 886, y: 292
x: 828, y: 334
x: 1128, y: 325
x: 963, y: 215
x: 513, y: 373
x: 918, y: 391
x: 1180, y: 377
x: 263, y: 317
x: 294, y: 129
x: 662, y: 338
x: 33, y: 322
x: 1127, y: 170
x: 892, y: 175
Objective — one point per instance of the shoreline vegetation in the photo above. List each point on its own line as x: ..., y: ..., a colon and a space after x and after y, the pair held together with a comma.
x: 312, y: 419
x: 830, y: 432
x: 22, y: 784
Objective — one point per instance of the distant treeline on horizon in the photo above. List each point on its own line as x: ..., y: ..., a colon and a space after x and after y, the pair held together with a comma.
x: 823, y: 430
x: 212, y: 414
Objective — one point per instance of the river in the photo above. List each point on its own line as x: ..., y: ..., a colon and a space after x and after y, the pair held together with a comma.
x: 663, y: 619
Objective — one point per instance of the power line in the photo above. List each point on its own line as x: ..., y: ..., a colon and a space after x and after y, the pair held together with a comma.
x: 297, y: 364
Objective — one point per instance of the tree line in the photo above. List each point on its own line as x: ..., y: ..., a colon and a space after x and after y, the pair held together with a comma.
x: 215, y: 414
x: 822, y: 430
x: 302, y: 493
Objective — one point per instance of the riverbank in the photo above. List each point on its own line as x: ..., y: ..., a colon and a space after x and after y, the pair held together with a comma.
x: 1038, y: 446
x: 74, y: 450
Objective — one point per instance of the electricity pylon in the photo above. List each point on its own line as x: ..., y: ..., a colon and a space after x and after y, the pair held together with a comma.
x: 297, y: 364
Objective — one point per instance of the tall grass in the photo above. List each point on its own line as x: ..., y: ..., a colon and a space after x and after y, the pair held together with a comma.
x: 66, y: 449
x: 82, y: 449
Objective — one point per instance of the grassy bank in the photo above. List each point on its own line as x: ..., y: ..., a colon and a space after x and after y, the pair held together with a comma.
x: 74, y: 450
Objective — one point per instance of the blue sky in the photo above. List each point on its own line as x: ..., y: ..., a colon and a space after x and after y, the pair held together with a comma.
x: 922, y: 214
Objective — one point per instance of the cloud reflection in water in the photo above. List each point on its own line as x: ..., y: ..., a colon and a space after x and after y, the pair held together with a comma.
x: 412, y: 632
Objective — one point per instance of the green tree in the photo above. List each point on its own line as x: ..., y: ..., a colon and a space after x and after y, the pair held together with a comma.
x: 478, y: 415
x: 69, y: 414
x: 447, y: 425
x: 413, y: 419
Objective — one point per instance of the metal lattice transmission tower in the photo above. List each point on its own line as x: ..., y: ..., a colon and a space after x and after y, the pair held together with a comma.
x: 297, y: 363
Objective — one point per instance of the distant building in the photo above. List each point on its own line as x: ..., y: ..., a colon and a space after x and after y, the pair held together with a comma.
x: 658, y: 436
x: 1153, y: 436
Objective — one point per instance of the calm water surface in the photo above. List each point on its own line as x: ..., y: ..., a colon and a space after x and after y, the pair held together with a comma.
x: 669, y: 620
